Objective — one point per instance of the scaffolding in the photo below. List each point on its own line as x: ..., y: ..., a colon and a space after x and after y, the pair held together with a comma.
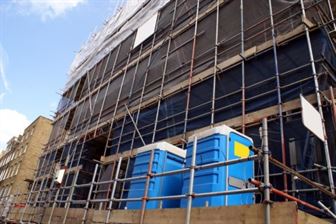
x: 17, y: 208
x: 207, y: 63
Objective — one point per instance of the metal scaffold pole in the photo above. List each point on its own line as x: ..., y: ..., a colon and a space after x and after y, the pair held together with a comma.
x: 319, y: 104
x: 191, y: 69
x: 327, y: 210
x: 148, y: 177
x: 277, y: 75
x: 191, y: 182
x: 331, y: 14
x: 213, y: 103
x: 114, y: 187
x: 163, y: 76
x: 267, y: 184
x: 242, y: 50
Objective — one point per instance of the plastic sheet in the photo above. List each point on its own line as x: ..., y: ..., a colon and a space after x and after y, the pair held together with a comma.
x: 115, y: 30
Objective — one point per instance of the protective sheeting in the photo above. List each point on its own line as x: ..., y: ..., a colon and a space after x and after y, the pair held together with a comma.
x: 142, y: 80
x: 131, y: 16
x: 260, y: 93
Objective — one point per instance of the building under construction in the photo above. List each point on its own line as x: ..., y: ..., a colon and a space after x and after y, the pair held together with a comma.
x: 168, y: 70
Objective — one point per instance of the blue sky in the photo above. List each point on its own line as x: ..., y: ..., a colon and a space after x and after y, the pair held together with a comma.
x: 38, y: 41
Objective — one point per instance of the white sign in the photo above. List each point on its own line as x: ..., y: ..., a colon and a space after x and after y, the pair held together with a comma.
x: 59, y: 176
x: 311, y: 118
x: 145, y: 30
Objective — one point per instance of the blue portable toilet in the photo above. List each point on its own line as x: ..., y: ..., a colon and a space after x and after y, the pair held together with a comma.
x: 215, y: 145
x: 167, y: 157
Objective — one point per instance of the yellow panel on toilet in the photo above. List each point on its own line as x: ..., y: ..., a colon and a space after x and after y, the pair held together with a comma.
x: 241, y: 150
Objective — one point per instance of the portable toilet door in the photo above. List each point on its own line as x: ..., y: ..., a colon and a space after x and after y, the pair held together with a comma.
x: 237, y: 174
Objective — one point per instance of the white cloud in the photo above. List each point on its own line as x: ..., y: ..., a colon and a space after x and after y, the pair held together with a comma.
x: 12, y: 123
x: 46, y: 9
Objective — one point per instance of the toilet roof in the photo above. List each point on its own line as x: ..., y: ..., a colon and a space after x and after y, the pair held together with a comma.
x: 164, y: 146
x: 223, y: 129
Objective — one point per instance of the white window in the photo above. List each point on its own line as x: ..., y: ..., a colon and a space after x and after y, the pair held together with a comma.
x: 145, y: 30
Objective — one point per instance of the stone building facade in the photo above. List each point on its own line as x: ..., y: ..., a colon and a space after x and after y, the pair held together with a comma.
x: 19, y: 161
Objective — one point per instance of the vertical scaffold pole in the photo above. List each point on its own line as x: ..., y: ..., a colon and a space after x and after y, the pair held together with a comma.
x: 115, y: 182
x: 319, y: 104
x: 96, y: 186
x: 333, y: 105
x: 280, y: 110
x: 86, y: 208
x: 163, y: 76
x: 267, y: 185
x: 191, y: 70
x: 242, y: 50
x: 215, y: 69
x: 191, y: 182
x: 331, y: 14
x: 124, y: 182
x: 148, y: 177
